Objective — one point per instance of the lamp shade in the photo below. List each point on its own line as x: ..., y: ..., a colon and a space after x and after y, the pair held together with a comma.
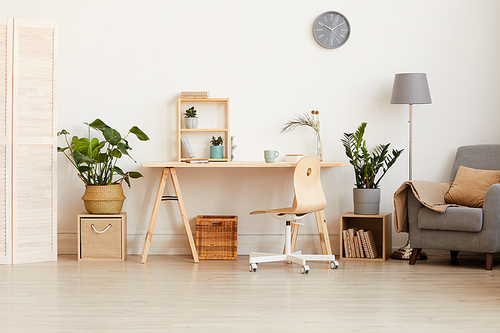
x: 411, y: 88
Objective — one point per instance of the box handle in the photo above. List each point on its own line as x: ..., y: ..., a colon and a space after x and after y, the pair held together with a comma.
x: 100, y: 232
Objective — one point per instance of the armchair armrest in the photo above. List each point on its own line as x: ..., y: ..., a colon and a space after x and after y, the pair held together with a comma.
x: 490, y: 234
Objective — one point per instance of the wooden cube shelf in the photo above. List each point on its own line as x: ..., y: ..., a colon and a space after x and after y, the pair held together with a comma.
x: 380, y: 225
x: 102, y: 237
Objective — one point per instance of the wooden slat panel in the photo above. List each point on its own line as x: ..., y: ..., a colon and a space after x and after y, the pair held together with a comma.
x: 34, y: 198
x: 34, y: 102
x: 35, y: 72
x: 6, y: 28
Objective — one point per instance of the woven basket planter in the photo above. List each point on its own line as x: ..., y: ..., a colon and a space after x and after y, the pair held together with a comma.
x: 107, y: 199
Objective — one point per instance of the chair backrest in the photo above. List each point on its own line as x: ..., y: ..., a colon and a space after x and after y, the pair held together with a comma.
x: 485, y: 157
x: 309, y: 196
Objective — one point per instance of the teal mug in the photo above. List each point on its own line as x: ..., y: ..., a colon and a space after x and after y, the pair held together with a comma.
x: 270, y: 155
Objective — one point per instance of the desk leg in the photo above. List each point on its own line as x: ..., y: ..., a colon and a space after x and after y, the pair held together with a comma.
x: 154, y: 215
x: 324, y: 238
x: 185, y: 220
x: 295, y: 232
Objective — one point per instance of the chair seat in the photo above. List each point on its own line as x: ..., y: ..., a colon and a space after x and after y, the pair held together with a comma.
x: 466, y: 219
x: 281, y: 214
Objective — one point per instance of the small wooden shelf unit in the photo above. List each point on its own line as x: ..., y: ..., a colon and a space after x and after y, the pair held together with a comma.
x: 380, y: 225
x: 224, y: 130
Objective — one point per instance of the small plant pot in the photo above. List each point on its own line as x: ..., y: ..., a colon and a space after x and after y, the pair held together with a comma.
x: 366, y: 201
x: 191, y: 123
x: 216, y: 151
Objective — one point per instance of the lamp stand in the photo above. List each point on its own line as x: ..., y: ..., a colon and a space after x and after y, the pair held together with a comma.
x: 404, y: 253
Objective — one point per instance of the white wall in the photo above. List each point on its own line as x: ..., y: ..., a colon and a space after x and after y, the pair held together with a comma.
x: 127, y: 61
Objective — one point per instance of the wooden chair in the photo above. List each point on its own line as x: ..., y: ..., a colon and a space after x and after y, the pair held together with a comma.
x: 309, y: 198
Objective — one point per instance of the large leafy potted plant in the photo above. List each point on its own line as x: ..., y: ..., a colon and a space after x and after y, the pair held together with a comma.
x: 95, y: 160
x: 367, y: 167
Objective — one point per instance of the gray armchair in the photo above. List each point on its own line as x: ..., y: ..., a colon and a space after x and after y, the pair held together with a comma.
x: 460, y: 228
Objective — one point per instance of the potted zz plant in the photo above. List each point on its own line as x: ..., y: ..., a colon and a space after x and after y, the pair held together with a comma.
x: 95, y: 160
x: 367, y: 166
x: 216, y: 148
x: 190, y: 119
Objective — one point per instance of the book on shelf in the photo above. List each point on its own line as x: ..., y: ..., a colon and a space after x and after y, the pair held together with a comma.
x: 346, y: 243
x: 364, y: 243
x: 371, y: 244
x: 187, y: 147
x: 359, y: 243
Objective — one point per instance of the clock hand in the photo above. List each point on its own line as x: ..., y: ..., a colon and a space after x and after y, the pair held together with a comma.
x: 331, y: 29
x: 338, y: 25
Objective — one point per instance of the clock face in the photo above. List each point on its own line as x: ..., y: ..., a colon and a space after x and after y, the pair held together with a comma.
x: 331, y: 30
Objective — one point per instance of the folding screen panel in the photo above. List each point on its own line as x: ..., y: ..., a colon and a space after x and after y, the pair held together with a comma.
x: 28, y: 142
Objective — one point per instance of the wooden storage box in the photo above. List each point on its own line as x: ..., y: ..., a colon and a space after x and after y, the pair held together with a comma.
x: 380, y: 225
x: 102, y: 237
x: 216, y: 236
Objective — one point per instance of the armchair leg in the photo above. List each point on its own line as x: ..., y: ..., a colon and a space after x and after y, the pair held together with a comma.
x: 414, y: 255
x: 454, y: 254
x: 489, y: 261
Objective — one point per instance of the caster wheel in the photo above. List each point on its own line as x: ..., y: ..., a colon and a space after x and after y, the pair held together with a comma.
x: 253, y: 267
x: 304, y: 269
x: 334, y: 264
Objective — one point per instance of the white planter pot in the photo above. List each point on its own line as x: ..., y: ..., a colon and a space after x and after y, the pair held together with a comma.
x: 366, y: 201
x: 191, y: 122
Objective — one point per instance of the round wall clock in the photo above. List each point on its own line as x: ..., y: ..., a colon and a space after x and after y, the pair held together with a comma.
x: 331, y: 30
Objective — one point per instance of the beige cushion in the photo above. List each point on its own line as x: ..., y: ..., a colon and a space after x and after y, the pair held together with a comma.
x: 470, y: 186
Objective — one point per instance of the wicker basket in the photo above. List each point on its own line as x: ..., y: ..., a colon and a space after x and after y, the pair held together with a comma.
x: 216, y: 237
x: 107, y: 199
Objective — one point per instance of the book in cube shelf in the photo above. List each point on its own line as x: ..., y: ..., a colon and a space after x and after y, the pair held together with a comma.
x: 187, y: 147
x: 359, y: 243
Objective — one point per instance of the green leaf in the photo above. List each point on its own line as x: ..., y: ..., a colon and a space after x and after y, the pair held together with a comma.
x: 101, y: 158
x: 81, y: 158
x: 82, y: 145
x: 140, y: 134
x: 63, y: 132
x: 111, y: 135
x: 116, y: 153
x: 119, y: 171
x: 135, y: 174
x: 127, y: 180
x: 97, y: 124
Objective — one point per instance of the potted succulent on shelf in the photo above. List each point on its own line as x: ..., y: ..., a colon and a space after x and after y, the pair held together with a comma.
x: 95, y: 161
x: 190, y: 119
x: 367, y: 165
x: 216, y: 148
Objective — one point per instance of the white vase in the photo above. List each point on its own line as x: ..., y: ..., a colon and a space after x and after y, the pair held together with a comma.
x: 234, y: 148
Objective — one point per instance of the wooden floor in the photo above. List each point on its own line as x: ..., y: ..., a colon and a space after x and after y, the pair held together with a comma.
x: 171, y: 294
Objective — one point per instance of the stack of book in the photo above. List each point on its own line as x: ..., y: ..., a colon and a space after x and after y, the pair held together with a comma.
x: 359, y: 244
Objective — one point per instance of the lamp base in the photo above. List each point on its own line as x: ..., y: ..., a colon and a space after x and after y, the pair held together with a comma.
x: 404, y: 253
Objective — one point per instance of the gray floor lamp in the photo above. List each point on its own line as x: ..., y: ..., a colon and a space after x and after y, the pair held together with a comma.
x: 410, y: 88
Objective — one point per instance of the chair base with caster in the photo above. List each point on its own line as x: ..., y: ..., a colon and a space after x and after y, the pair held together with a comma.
x: 295, y: 257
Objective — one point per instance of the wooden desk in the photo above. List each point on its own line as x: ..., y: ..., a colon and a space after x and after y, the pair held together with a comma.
x: 169, y: 168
